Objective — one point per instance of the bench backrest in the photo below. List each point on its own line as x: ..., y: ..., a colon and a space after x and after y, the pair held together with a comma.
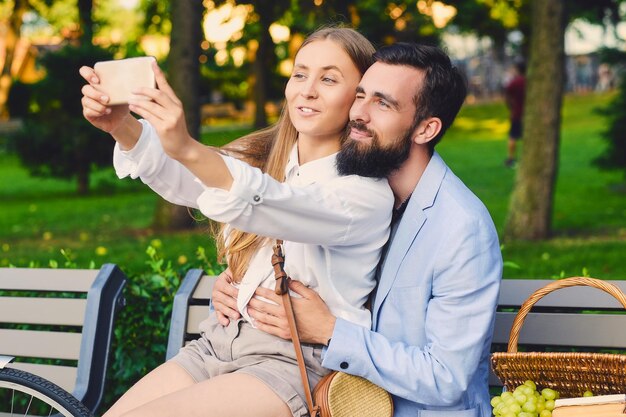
x: 191, y: 306
x: 58, y: 324
x: 554, y: 323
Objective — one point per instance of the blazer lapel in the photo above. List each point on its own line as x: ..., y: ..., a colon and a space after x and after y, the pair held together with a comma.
x: 411, y: 223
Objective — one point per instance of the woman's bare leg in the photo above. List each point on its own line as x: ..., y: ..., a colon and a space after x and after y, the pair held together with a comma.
x: 163, y: 380
x: 229, y: 395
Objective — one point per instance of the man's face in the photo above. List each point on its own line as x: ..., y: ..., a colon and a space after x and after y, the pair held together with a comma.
x: 380, y: 131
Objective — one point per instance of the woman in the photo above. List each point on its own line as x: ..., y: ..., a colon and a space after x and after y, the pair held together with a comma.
x: 326, y: 220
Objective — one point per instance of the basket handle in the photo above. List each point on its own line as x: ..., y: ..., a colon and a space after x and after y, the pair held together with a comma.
x: 553, y: 286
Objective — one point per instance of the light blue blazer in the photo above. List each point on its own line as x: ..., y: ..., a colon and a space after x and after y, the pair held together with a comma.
x: 434, y: 309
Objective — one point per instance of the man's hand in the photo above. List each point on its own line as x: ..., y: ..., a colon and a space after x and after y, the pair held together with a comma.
x: 224, y: 299
x: 314, y: 320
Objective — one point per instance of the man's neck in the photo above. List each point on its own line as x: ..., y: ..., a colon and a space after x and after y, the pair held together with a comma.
x: 404, y: 180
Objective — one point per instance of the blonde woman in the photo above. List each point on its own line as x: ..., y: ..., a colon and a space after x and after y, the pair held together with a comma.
x: 335, y: 219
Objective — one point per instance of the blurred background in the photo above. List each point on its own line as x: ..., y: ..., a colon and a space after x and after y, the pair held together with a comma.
x: 560, y: 206
x: 229, y: 61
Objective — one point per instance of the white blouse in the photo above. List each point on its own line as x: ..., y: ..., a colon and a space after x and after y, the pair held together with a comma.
x: 334, y: 227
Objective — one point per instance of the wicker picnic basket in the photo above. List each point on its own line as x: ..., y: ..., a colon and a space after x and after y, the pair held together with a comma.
x: 569, y: 373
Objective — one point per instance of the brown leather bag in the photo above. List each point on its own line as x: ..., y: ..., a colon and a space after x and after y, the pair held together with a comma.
x: 337, y: 394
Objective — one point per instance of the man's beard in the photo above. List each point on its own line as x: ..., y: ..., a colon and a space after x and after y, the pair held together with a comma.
x: 356, y: 158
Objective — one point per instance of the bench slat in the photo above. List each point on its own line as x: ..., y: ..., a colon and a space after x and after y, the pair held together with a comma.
x: 31, y: 310
x: 558, y: 329
x: 32, y: 279
x: 40, y: 344
x: 204, y: 288
x: 196, y: 315
x: 63, y: 376
x: 513, y: 292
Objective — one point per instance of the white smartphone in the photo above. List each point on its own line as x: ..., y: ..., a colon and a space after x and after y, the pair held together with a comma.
x: 118, y: 78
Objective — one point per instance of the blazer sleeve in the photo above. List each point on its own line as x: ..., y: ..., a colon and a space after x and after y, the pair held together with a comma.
x: 458, y: 325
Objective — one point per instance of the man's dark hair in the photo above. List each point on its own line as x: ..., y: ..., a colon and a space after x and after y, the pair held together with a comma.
x: 444, y: 89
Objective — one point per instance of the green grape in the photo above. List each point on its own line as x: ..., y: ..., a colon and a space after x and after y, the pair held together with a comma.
x: 549, y: 394
x: 520, y: 398
x: 514, y: 408
x: 530, y: 384
x: 499, y: 407
x: 505, y: 395
x: 587, y: 394
x: 529, y: 407
x: 526, y: 401
x: 541, y: 405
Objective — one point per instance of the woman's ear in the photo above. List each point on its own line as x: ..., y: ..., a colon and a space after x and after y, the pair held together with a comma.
x: 427, y: 130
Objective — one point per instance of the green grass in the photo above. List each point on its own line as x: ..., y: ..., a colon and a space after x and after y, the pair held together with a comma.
x: 589, y: 219
x: 39, y: 217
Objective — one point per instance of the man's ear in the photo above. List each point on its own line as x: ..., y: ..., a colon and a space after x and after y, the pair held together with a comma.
x: 427, y: 130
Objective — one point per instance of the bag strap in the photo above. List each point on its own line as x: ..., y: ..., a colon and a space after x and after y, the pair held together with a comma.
x: 282, y: 289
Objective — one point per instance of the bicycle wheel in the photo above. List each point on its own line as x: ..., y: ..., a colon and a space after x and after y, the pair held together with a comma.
x: 25, y: 394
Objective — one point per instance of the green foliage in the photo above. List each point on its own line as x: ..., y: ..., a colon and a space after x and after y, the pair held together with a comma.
x: 615, y: 154
x: 56, y: 140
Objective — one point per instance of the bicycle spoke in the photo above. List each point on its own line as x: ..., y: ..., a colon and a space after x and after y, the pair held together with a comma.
x: 28, y: 407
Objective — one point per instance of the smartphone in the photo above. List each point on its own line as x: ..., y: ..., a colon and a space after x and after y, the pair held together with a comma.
x: 118, y: 78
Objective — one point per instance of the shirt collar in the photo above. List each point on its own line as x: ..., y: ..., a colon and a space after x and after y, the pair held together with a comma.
x: 319, y: 170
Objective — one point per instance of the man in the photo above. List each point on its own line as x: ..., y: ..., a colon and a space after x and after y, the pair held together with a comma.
x: 434, y: 306
x: 514, y: 94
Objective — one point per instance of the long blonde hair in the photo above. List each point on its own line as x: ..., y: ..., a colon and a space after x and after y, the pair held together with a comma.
x: 269, y: 150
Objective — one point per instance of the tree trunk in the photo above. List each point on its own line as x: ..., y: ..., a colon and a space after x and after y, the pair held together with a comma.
x: 11, y: 39
x: 85, y: 8
x: 261, y: 67
x: 82, y: 182
x: 530, y: 211
x: 184, y: 74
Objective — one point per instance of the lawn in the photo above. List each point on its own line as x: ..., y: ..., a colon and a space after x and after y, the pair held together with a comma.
x: 41, y: 217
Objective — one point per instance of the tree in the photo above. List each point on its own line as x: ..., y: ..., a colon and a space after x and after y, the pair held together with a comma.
x: 12, y: 36
x: 184, y: 73
x: 614, y: 157
x: 11, y: 23
x: 56, y: 140
x: 85, y: 20
x: 530, y: 211
x: 265, y: 13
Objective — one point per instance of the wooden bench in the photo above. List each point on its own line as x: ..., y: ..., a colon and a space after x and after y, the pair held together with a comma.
x: 556, y: 322
x: 58, y: 324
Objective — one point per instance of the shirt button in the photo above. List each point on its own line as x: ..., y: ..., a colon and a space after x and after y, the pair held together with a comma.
x: 343, y: 365
x: 256, y: 198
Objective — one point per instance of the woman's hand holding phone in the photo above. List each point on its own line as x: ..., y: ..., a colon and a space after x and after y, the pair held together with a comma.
x: 162, y: 108
x: 105, y: 96
x: 95, y: 103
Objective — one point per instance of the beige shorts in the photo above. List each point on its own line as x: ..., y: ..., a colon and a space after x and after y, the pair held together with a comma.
x: 239, y: 347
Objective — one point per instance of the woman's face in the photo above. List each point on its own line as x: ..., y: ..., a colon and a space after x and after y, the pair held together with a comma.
x: 321, y: 90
